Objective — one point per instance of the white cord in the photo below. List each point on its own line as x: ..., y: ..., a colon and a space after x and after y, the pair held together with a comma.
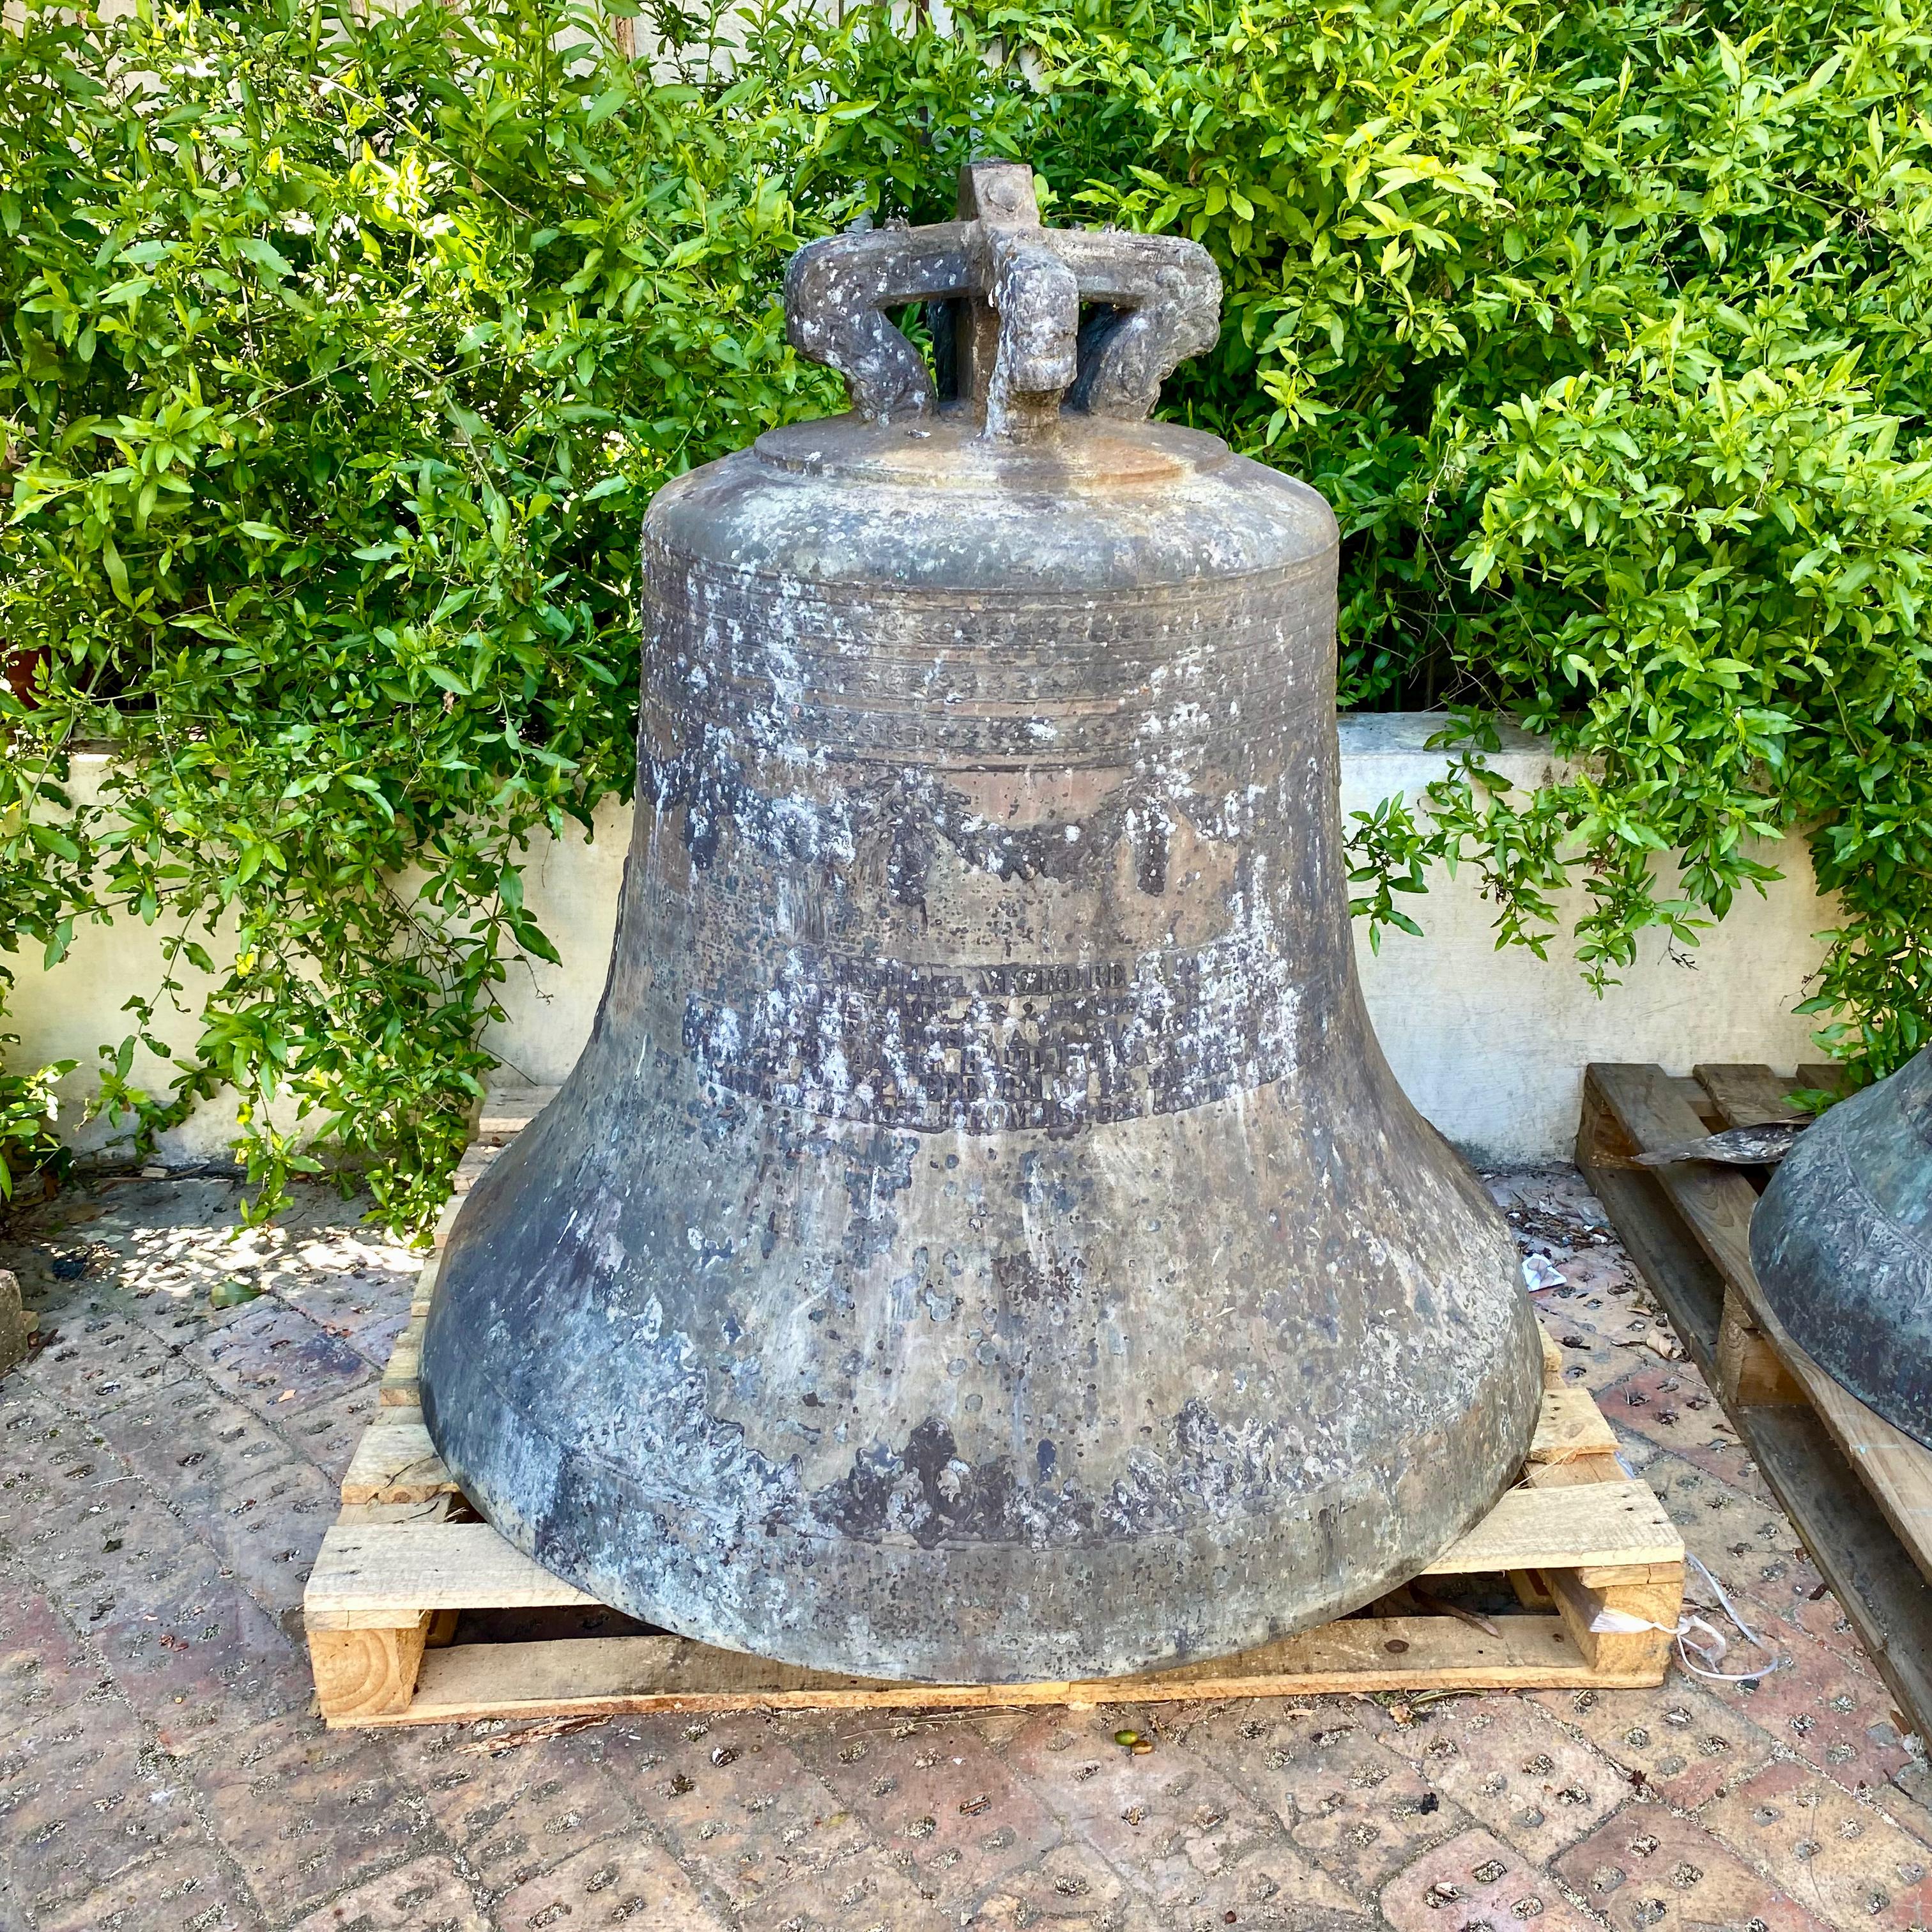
x: 1714, y: 1651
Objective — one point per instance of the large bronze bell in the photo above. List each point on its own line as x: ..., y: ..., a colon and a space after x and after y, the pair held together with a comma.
x: 1842, y: 1245
x: 981, y: 1239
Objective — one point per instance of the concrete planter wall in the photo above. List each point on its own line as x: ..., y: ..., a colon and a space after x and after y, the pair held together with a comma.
x: 1490, y: 1046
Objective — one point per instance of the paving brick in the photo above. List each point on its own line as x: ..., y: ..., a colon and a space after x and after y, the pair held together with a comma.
x: 1271, y: 1885
x: 1476, y: 1883
x: 89, y: 1543
x: 12, y: 1913
x: 622, y: 1881
x: 1788, y: 1589
x: 80, y: 1800
x: 1686, y: 1745
x: 268, y: 1535
x: 73, y: 1822
x: 1600, y: 1314
x: 1591, y: 1360
x: 188, y: 1646
x: 1669, y: 1404
x: 34, y: 1637
x: 274, y: 1358
x: 1176, y: 1822
x: 511, y: 1817
x: 354, y: 1285
x: 860, y: 1887
x: 373, y: 1337
x: 1775, y: 1584
x: 180, y: 1321
x: 326, y: 1432
x: 737, y: 1808
x: 1826, y: 1708
x: 1510, y: 1767
x: 1355, y: 1809
x: 195, y: 1447
x: 423, y: 1895
x: 58, y: 1461
x: 28, y: 1419
x: 1850, y: 1864
x: 1072, y: 1889
x: 101, y: 1361
x: 1650, y: 1870
x: 109, y: 1534
x: 183, y: 1889
x: 306, y: 1814
x: 941, y: 1791
x: 1732, y: 1532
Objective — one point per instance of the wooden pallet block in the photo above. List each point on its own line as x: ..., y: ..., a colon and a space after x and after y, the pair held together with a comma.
x: 1857, y: 1490
x: 1591, y: 1553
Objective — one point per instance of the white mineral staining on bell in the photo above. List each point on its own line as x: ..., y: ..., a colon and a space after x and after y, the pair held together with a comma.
x: 724, y: 1036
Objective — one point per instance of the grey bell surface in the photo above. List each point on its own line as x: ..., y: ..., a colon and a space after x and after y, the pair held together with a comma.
x: 1842, y: 1244
x: 981, y: 1239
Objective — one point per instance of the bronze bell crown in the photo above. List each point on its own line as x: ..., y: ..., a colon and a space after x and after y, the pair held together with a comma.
x: 981, y: 1239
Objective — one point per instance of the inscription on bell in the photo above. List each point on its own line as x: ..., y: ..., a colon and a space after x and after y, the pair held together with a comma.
x: 1042, y: 1046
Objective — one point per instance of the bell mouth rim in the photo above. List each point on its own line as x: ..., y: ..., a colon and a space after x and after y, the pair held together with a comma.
x: 948, y: 452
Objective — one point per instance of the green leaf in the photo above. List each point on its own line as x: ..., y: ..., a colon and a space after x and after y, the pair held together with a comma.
x: 265, y: 255
x: 117, y: 571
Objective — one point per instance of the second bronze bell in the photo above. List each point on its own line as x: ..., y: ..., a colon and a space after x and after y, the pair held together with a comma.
x: 981, y: 1239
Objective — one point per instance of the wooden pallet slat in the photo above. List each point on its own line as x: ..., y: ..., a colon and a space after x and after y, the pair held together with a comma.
x: 1897, y: 1469
x: 396, y: 1462
x: 1857, y: 1490
x: 1609, y: 1528
x: 1589, y: 1549
x: 1748, y: 1364
x: 507, y: 1110
x: 617, y: 1675
x: 1746, y: 1096
x: 399, y: 1388
x: 376, y: 1576
x: 373, y: 1575
x: 1571, y: 1426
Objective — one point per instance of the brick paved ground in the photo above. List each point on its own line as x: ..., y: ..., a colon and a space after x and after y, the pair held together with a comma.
x: 166, y: 1470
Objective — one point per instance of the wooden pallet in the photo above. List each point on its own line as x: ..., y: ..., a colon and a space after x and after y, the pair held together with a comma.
x: 1590, y: 1564
x: 1857, y: 1491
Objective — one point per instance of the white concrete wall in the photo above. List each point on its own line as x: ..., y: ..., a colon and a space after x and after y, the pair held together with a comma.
x: 1490, y: 1046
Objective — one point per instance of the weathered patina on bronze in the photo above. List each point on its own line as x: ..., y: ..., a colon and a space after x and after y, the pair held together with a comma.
x: 1842, y: 1244
x: 981, y: 1239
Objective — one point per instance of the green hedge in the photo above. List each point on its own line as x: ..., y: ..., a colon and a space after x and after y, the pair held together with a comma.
x: 339, y: 359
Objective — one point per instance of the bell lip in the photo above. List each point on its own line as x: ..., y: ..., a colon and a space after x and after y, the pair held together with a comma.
x: 820, y: 1648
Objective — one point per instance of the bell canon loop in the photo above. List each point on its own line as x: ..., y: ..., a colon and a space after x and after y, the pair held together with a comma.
x: 981, y: 1239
